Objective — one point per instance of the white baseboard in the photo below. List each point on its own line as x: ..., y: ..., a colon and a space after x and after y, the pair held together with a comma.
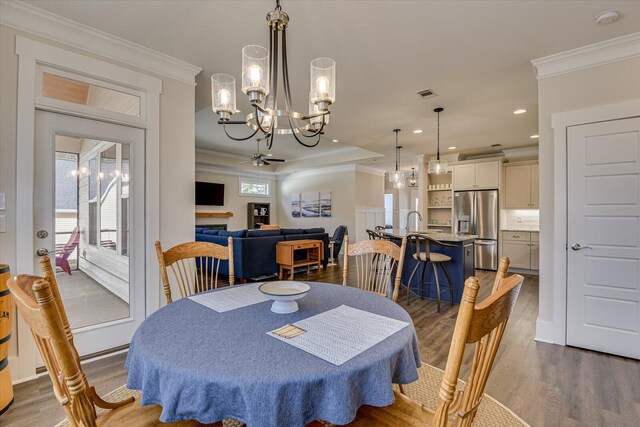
x: 544, y: 332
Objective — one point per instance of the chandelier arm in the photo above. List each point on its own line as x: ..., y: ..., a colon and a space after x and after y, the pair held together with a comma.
x: 259, y: 122
x: 270, y: 141
x: 303, y: 143
x: 285, y: 73
x: 312, y: 134
x: 224, y: 125
x: 274, y: 66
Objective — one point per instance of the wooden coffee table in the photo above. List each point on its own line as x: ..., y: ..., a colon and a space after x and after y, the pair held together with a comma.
x: 285, y: 255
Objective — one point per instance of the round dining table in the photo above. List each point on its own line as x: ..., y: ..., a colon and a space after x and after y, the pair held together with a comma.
x: 199, y: 364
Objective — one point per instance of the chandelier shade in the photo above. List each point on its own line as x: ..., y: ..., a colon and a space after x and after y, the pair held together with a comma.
x: 262, y: 70
x: 223, y: 94
x: 255, y: 70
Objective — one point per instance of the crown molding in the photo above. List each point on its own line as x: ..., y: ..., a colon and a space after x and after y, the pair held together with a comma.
x: 243, y: 173
x: 33, y: 20
x: 608, y: 51
x: 370, y: 170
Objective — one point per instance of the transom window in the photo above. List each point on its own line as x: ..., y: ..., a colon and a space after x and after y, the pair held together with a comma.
x: 254, y: 188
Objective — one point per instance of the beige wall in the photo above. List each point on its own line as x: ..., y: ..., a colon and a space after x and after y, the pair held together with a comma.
x: 601, y: 85
x: 369, y: 190
x: 233, y: 202
x: 177, y: 150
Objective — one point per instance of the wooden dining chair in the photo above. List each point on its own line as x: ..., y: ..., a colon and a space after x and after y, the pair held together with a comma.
x: 377, y: 261
x: 38, y: 301
x: 483, y: 325
x: 194, y: 266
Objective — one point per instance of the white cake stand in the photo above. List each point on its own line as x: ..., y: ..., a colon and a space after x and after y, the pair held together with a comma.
x: 284, y: 294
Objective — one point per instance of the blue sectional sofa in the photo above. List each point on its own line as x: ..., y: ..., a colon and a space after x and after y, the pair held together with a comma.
x: 254, y: 251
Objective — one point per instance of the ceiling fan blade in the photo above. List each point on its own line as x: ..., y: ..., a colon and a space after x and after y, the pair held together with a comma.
x: 245, y: 161
x: 275, y: 160
x: 264, y: 162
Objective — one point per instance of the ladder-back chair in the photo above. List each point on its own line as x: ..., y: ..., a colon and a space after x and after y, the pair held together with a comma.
x: 377, y: 261
x: 38, y: 301
x: 194, y: 266
x: 482, y: 324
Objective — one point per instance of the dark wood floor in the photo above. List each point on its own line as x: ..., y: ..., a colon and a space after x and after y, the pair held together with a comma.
x: 545, y: 384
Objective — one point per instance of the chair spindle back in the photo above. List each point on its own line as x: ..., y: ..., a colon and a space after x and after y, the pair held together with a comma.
x: 194, y: 266
x: 377, y: 261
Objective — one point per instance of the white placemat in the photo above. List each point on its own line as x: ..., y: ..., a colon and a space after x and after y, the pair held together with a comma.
x: 342, y: 333
x: 232, y: 298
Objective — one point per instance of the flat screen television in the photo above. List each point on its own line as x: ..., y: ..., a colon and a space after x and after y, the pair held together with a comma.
x: 209, y: 194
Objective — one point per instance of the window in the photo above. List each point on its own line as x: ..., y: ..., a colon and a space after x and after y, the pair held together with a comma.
x: 254, y: 188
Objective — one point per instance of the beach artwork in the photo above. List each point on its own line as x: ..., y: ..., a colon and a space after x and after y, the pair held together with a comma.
x: 310, y: 204
x: 295, y: 205
x: 325, y: 204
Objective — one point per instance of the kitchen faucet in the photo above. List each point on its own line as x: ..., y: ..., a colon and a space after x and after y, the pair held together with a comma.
x: 408, y: 215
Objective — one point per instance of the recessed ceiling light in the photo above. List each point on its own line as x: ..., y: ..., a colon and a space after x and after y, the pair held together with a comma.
x: 334, y: 140
x: 417, y: 131
x: 534, y: 136
x: 452, y: 148
x: 520, y: 111
x: 269, y: 155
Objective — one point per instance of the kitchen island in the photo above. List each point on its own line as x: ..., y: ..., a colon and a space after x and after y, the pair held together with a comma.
x: 461, y: 266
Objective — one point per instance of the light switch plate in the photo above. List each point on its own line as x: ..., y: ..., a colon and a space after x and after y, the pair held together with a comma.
x: 2, y: 224
x: 3, y: 203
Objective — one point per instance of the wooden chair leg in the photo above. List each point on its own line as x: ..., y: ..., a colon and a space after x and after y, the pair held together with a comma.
x: 97, y: 400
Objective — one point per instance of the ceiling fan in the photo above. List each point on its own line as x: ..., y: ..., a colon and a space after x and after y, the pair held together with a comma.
x: 259, y: 159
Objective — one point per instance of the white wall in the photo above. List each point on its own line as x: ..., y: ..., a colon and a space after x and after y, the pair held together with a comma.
x: 177, y: 150
x: 601, y: 85
x: 351, y: 187
x: 233, y: 202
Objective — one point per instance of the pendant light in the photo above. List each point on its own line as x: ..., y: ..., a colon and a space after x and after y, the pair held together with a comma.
x: 397, y: 176
x: 437, y: 167
x: 413, y: 181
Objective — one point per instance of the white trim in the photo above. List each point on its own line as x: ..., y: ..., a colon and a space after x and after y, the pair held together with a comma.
x: 318, y: 171
x: 617, y: 49
x: 253, y: 180
x: 34, y: 20
x: 554, y: 330
x: 208, y: 168
x: 30, y: 53
x: 369, y: 169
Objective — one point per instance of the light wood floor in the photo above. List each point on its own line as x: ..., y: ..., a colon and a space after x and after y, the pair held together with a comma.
x: 545, y: 384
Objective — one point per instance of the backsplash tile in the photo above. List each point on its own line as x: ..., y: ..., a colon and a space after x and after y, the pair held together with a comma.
x: 520, y: 219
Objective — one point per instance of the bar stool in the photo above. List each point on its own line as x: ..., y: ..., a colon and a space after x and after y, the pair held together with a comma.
x: 419, y: 248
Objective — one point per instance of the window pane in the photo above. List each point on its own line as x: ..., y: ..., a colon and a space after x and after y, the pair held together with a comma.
x: 124, y: 197
x: 254, y: 188
x: 68, y: 90
x: 109, y: 196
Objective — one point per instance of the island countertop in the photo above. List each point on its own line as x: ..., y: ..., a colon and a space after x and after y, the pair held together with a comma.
x: 399, y: 233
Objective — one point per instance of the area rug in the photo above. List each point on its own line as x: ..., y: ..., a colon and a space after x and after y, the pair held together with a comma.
x: 491, y: 413
x: 123, y: 392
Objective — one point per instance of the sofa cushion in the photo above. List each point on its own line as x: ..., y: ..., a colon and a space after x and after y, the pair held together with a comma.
x: 211, y: 232
x: 200, y: 229
x: 317, y: 230
x: 287, y: 231
x: 263, y: 233
x: 238, y: 233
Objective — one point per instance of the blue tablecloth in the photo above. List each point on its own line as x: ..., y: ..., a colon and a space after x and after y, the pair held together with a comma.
x: 206, y: 366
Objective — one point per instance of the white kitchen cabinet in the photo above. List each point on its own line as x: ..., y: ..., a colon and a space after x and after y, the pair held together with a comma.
x: 535, y: 256
x: 518, y: 252
x: 521, y: 186
x: 476, y: 176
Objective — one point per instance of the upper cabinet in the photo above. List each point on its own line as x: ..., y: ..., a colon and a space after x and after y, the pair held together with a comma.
x: 521, y: 187
x: 476, y: 176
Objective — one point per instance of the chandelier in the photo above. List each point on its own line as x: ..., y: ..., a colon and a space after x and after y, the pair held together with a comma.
x: 397, y: 176
x: 437, y: 167
x: 413, y: 181
x: 260, y: 78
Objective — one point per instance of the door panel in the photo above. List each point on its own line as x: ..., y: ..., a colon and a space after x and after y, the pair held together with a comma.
x: 89, y: 210
x: 518, y: 252
x: 486, y: 214
x: 535, y: 186
x: 464, y: 177
x: 488, y: 175
x: 463, y: 205
x: 603, y: 185
x: 486, y: 254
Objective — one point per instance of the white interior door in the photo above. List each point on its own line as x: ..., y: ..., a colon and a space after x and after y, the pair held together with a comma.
x: 603, y: 186
x: 89, y: 210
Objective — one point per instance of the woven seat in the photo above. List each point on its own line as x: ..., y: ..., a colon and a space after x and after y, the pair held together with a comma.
x: 432, y: 256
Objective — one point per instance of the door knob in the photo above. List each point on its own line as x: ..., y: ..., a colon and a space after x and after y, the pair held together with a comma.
x: 43, y: 252
x: 577, y: 247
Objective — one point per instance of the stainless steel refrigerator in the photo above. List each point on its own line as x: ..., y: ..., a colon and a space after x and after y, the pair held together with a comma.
x: 476, y: 212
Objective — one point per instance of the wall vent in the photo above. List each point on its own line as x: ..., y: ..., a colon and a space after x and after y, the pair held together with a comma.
x: 427, y: 93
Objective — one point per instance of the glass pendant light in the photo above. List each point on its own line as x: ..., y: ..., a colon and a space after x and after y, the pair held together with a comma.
x: 397, y: 176
x: 437, y: 167
x: 413, y: 181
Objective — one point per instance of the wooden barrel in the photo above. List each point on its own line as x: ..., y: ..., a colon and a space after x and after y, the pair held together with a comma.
x: 6, y: 308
